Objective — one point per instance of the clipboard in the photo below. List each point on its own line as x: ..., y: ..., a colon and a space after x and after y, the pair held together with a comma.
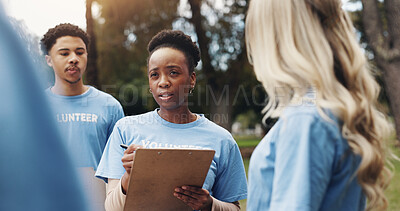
x: 157, y: 172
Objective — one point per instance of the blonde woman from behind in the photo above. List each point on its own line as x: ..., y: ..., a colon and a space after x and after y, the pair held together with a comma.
x: 327, y: 150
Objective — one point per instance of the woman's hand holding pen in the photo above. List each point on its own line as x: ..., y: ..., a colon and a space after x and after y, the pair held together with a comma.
x: 127, y: 161
x: 195, y: 197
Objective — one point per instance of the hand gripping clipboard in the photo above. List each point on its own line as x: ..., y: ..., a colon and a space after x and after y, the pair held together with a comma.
x: 157, y: 172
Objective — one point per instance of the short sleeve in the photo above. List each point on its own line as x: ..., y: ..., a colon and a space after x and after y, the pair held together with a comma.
x: 230, y: 184
x: 304, y: 158
x: 110, y: 165
x: 117, y: 114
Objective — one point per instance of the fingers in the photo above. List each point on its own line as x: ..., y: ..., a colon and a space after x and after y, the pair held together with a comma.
x: 195, y: 190
x: 127, y: 161
x: 191, y: 191
x: 190, y: 201
x: 129, y: 156
x: 127, y: 166
x: 131, y: 148
x: 129, y: 153
x: 195, y: 197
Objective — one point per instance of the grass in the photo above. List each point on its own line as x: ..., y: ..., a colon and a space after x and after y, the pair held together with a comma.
x: 243, y: 203
x: 392, y: 193
x: 247, y: 141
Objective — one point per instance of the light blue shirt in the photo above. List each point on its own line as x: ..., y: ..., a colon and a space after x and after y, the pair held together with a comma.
x: 36, y: 172
x: 304, y: 164
x: 85, y: 121
x: 226, y: 178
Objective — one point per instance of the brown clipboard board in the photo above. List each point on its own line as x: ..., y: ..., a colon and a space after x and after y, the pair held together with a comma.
x: 157, y: 172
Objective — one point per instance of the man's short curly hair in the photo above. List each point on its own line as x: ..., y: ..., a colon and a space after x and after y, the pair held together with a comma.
x: 177, y: 40
x: 61, y: 30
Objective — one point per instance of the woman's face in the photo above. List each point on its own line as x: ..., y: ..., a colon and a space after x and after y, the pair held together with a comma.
x: 169, y: 79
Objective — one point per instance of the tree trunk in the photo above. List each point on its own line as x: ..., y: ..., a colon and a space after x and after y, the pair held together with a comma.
x: 218, y: 95
x: 391, y: 79
x: 91, y: 69
x: 221, y: 107
x: 386, y: 48
x: 203, y: 41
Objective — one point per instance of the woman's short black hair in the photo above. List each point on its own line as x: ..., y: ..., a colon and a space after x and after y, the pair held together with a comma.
x: 61, y: 30
x: 177, y: 40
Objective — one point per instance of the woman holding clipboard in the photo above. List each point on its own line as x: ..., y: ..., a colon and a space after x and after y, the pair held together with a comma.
x: 172, y: 59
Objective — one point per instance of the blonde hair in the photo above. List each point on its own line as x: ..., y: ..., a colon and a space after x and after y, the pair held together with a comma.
x: 297, y: 44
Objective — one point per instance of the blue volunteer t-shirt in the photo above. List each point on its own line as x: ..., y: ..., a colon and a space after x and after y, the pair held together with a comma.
x: 36, y: 172
x: 85, y: 121
x: 304, y: 163
x: 226, y: 178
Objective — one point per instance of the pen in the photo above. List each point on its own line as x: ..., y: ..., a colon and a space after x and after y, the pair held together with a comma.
x: 124, y: 146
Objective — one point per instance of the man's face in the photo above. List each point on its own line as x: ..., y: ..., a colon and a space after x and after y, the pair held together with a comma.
x: 68, y: 58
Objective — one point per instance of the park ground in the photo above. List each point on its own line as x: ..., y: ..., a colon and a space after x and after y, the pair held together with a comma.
x: 247, y: 144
